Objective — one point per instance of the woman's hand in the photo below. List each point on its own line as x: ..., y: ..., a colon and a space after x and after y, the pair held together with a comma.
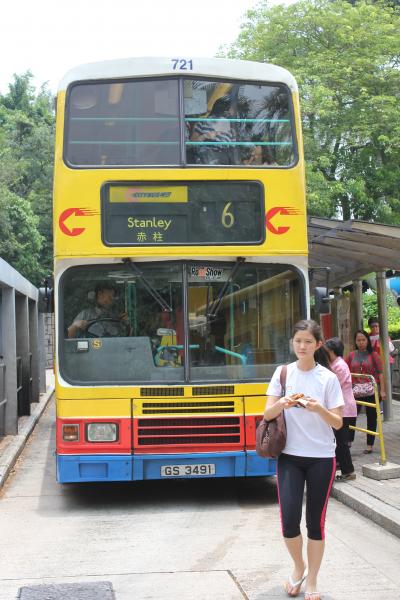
x: 275, y: 406
x: 288, y: 402
x: 313, y: 406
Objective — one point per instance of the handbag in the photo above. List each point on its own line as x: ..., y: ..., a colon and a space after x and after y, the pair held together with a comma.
x: 271, y: 435
x: 365, y: 388
x: 361, y: 390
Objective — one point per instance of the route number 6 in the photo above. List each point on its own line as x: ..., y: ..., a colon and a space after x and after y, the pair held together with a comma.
x: 227, y: 218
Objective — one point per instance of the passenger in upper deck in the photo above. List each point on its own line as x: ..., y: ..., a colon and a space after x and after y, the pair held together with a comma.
x: 209, y: 131
x: 260, y: 155
x: 100, y: 320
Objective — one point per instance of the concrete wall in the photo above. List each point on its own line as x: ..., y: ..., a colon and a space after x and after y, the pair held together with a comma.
x: 22, y: 365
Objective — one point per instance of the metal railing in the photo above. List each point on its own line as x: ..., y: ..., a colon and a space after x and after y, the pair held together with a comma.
x: 376, y: 405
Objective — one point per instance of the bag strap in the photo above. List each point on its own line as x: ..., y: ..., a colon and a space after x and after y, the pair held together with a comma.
x: 374, y: 364
x: 282, y: 379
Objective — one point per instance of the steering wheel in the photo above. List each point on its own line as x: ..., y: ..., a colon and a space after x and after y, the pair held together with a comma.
x: 122, y: 326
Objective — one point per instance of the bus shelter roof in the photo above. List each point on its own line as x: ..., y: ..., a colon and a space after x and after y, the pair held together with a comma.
x: 351, y: 249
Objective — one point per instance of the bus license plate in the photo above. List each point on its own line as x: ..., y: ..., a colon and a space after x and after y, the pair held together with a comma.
x: 187, y: 470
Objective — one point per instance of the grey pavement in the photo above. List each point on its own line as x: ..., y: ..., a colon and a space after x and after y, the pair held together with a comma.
x: 11, y: 446
x: 377, y: 500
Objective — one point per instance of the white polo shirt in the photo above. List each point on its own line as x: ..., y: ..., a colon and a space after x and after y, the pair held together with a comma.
x: 307, y: 433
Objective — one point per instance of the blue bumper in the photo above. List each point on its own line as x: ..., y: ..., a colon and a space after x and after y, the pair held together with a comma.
x: 85, y: 468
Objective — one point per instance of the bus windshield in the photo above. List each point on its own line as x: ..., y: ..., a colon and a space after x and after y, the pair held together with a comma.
x: 179, y: 121
x: 177, y: 322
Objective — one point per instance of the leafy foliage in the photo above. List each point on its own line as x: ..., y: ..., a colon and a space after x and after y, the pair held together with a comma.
x: 370, y: 309
x: 20, y: 242
x: 345, y: 57
x: 26, y: 165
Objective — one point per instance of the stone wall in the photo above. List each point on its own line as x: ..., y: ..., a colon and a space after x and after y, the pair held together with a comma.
x: 49, y: 339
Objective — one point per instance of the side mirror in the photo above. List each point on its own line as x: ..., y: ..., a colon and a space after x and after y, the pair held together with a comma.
x: 321, y: 297
x: 46, y: 300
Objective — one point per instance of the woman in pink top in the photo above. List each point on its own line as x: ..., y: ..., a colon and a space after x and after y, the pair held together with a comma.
x: 335, y: 349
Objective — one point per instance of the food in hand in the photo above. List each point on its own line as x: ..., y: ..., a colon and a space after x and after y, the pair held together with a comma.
x: 300, y: 399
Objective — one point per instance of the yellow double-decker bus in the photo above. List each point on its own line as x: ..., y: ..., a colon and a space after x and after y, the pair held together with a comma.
x: 180, y: 263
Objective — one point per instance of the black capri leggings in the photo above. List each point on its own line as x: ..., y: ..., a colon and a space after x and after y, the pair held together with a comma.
x: 293, y: 472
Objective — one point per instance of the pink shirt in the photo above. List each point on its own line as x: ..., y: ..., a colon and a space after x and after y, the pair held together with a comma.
x: 342, y: 371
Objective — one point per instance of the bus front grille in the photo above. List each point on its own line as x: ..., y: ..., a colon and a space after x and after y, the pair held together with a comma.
x: 214, y: 390
x: 205, y: 406
x: 162, y: 391
x: 188, y: 431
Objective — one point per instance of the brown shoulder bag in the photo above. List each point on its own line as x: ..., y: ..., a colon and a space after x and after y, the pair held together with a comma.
x: 271, y: 435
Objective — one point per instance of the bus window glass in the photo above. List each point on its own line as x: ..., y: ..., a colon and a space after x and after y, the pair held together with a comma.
x: 126, y: 324
x: 240, y: 321
x: 122, y: 325
x: 238, y: 124
x: 123, y: 123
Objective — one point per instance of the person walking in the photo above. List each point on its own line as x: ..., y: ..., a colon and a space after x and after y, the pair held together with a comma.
x: 374, y: 336
x: 335, y: 349
x: 365, y: 361
x: 309, y: 454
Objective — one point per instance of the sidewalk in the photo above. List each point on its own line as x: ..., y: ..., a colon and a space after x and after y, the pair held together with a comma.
x: 379, y: 501
x: 376, y: 500
x: 11, y: 446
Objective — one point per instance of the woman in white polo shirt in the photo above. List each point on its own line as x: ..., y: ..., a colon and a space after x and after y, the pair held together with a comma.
x: 309, y: 454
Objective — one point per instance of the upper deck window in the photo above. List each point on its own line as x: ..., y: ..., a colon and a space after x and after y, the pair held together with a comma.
x: 238, y: 124
x: 120, y: 124
x: 140, y: 122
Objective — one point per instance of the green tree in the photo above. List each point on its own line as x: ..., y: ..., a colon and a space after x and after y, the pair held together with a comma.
x: 20, y: 242
x: 370, y: 309
x: 26, y: 166
x: 345, y: 57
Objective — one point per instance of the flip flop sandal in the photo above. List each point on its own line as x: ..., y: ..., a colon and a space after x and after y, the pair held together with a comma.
x: 295, y: 584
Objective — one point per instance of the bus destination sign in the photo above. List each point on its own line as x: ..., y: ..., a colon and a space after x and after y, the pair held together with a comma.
x: 188, y: 213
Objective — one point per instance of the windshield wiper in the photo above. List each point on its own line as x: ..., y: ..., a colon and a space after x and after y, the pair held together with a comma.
x: 152, y: 291
x: 213, y: 309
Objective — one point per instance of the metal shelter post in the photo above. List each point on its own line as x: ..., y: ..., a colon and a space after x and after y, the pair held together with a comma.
x: 358, y: 303
x: 384, y: 342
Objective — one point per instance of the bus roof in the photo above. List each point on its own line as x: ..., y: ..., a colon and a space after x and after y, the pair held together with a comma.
x: 244, y: 70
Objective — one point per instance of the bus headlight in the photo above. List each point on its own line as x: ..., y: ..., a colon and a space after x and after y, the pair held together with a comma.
x: 102, y: 432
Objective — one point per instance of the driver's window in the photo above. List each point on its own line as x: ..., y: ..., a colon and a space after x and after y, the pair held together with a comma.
x: 145, y: 302
x: 94, y: 305
x: 122, y: 323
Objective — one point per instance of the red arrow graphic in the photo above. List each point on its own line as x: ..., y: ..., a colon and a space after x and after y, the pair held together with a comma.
x: 279, y: 210
x: 78, y: 212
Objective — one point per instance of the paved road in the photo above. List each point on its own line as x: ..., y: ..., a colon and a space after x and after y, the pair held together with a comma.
x: 197, y: 540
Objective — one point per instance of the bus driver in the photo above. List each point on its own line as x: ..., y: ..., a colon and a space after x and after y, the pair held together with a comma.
x: 101, y: 319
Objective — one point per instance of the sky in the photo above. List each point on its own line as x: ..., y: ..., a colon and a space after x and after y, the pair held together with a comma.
x: 50, y: 37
